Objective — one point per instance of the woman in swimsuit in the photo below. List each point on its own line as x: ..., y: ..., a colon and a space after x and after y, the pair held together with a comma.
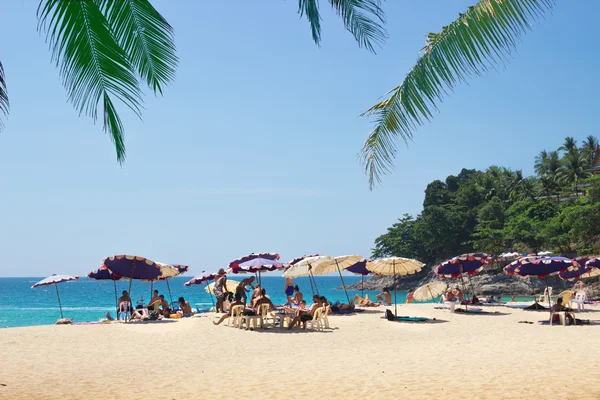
x: 298, y: 297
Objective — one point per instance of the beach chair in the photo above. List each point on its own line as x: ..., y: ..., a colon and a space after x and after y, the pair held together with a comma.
x: 249, y: 319
x: 317, y: 322
x: 547, y: 296
x: 562, y: 317
x: 265, y: 316
x: 124, y: 311
x: 567, y: 296
x: 580, y: 299
x: 236, y: 316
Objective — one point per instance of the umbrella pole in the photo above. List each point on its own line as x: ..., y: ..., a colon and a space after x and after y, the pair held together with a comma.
x: 462, y: 280
x: 210, y: 294
x: 131, y: 279
x: 315, y: 282
x: 549, y: 299
x: 362, y: 285
x: 395, y: 290
x: 116, y: 300
x: 343, y: 284
x: 151, y: 288
x: 312, y: 289
x: 59, y: 305
x: 169, y: 289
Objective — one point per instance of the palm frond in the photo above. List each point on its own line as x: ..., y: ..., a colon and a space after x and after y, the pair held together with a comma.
x: 146, y: 37
x: 364, y: 19
x: 4, y: 104
x: 310, y: 8
x: 477, y: 40
x: 93, y: 67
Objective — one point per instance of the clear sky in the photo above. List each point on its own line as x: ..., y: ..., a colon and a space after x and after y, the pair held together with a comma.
x: 254, y: 147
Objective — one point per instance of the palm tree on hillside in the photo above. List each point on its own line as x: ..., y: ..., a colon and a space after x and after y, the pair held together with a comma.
x: 589, y: 149
x: 106, y: 50
x: 572, y: 170
x: 569, y: 145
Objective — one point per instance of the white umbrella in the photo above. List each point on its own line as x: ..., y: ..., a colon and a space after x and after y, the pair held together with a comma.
x: 336, y: 264
x: 544, y: 253
x: 306, y: 267
x: 430, y: 291
x: 55, y: 280
x: 393, y: 266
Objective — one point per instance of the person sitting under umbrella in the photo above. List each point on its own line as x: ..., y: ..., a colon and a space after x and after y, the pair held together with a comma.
x: 241, y: 288
x: 304, y: 317
x: 125, y: 299
x: 263, y: 299
x: 154, y: 302
x: 186, y: 309
x: 558, y: 306
x: 164, y: 305
x: 255, y: 293
x: 298, y: 296
x: 384, y: 297
x: 459, y: 294
x: 237, y: 302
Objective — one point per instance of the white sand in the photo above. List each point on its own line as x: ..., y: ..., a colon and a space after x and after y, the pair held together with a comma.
x: 364, y: 357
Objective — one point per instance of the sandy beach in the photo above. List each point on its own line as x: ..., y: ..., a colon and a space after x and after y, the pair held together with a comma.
x: 364, y: 356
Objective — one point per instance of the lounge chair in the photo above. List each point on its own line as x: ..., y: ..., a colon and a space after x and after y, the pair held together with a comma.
x: 265, y: 315
x: 562, y: 317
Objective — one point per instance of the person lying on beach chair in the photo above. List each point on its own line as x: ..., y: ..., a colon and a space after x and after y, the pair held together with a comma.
x: 337, y: 306
x: 385, y: 298
x: 304, y: 317
x: 141, y: 314
x: 366, y: 302
x: 237, y: 302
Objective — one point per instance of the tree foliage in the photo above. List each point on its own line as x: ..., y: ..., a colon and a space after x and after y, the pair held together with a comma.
x: 498, y: 210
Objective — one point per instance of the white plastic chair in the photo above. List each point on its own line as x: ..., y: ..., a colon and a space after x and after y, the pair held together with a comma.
x: 124, y: 311
x: 580, y: 299
x: 547, y: 295
x: 236, y: 316
x: 265, y: 316
x: 317, y: 321
x: 562, y: 316
x: 451, y: 305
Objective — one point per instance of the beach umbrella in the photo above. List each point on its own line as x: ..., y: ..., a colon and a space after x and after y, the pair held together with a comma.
x: 306, y: 267
x: 230, y: 286
x: 105, y: 274
x: 200, y: 279
x: 361, y: 268
x: 544, y: 253
x: 168, y: 271
x: 336, y: 264
x: 543, y: 267
x: 394, y: 266
x: 133, y: 267
x: 295, y: 261
x: 571, y: 275
x: 463, y: 264
x: 55, y: 280
x: 430, y: 291
x: 252, y: 256
x: 257, y: 265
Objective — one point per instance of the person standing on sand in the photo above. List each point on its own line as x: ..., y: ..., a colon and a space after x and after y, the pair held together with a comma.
x: 241, y: 288
x: 219, y: 289
x: 289, y: 289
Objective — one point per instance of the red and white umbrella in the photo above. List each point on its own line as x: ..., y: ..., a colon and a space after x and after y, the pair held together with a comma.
x: 55, y: 280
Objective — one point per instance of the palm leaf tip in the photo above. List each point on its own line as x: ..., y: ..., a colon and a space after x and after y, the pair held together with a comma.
x: 4, y: 103
x: 364, y: 19
x: 146, y: 37
x: 310, y: 8
x: 93, y: 67
x: 482, y: 36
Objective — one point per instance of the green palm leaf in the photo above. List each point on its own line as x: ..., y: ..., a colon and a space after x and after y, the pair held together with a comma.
x: 363, y: 18
x: 146, y: 37
x: 4, y: 104
x: 478, y: 39
x: 93, y: 66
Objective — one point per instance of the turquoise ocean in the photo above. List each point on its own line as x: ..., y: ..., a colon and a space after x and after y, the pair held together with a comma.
x: 88, y: 300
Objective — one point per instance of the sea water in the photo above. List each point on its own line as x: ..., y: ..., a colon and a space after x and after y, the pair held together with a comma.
x: 87, y: 300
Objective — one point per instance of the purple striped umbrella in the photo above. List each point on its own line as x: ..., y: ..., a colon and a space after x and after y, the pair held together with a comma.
x: 105, y: 274
x: 361, y: 268
x: 572, y: 274
x: 200, y: 279
x: 252, y: 256
x: 133, y: 267
x: 55, y: 280
x: 543, y: 267
x: 464, y: 264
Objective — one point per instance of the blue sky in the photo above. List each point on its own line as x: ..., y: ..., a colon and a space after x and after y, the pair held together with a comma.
x: 254, y: 147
